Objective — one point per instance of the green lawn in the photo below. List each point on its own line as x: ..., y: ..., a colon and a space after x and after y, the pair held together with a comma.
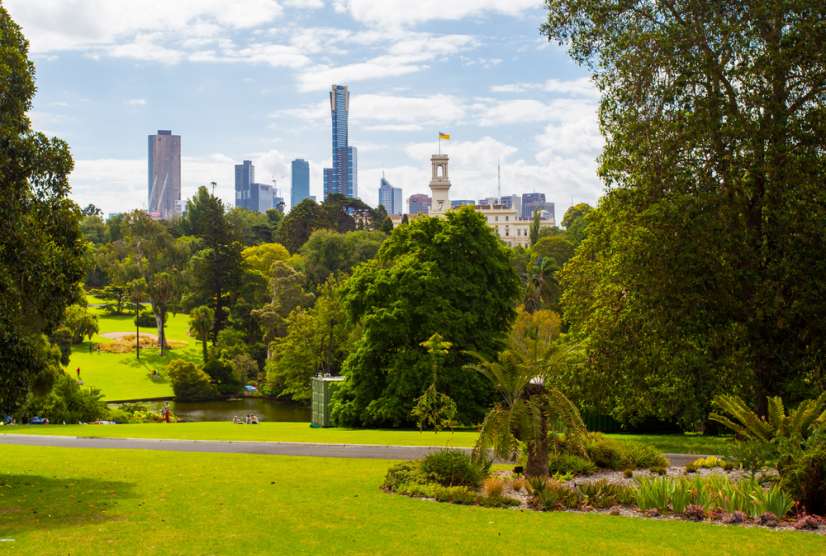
x: 301, y: 432
x: 76, y: 501
x: 121, y: 376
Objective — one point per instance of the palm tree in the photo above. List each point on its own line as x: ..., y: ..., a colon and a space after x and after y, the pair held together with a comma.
x: 200, y: 325
x: 529, y: 407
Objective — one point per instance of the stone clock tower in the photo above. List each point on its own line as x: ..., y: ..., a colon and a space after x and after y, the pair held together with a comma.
x: 439, y: 185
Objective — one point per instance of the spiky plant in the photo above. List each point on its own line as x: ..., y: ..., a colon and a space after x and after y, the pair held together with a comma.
x: 529, y: 407
x: 748, y: 425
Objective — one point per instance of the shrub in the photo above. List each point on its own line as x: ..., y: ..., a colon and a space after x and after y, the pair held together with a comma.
x: 223, y: 375
x: 611, y: 454
x: 519, y: 484
x: 66, y: 402
x: 189, y: 382
x: 804, y: 476
x: 145, y: 319
x: 550, y: 495
x: 451, y: 468
x: 602, y: 494
x: 408, y: 472
x: 694, y: 512
x: 493, y: 486
x: 498, y: 502
x: 569, y: 463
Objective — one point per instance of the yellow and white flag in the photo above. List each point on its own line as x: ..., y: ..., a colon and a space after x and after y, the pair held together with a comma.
x: 445, y: 136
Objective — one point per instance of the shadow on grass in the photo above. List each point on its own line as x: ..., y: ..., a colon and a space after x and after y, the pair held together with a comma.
x: 34, y: 502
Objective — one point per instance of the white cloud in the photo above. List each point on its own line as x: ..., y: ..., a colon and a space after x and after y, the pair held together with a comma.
x: 136, y: 102
x: 405, y: 12
x: 582, y: 87
x: 389, y: 110
x: 75, y: 24
x: 307, y: 4
x: 407, y: 55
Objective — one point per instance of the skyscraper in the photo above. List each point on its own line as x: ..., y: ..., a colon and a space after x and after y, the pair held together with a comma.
x: 344, y: 173
x: 418, y: 204
x: 390, y: 197
x: 164, y: 174
x: 300, y: 189
x: 532, y: 202
x: 244, y: 178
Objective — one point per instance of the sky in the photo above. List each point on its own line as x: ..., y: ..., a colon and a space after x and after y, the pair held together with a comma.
x: 249, y: 79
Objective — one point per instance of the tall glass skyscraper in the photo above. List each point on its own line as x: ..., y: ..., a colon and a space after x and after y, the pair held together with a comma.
x: 164, y: 183
x: 343, y: 177
x: 300, y: 189
x: 390, y: 197
x: 244, y: 178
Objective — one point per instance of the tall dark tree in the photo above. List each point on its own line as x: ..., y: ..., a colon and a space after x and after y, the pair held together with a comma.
x: 703, y: 269
x: 41, y: 250
x: 448, y: 275
x: 216, y: 270
x: 302, y: 220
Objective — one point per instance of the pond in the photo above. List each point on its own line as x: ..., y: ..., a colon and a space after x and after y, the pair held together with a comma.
x: 225, y: 410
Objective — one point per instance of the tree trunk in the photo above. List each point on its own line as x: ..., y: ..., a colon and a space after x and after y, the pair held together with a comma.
x: 537, y: 464
x: 204, y: 344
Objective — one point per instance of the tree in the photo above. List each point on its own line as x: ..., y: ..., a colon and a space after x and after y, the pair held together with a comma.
x: 301, y: 221
x: 157, y: 258
x: 41, y: 249
x: 529, y: 406
x: 327, y: 252
x: 91, y: 210
x: 200, y: 326
x: 575, y: 222
x: 250, y: 227
x: 448, y: 275
x: 287, y: 287
x: 189, y: 383
x: 260, y: 258
x: 317, y: 340
x: 702, y: 271
x: 433, y: 409
x: 80, y: 322
x: 535, y: 227
x: 216, y: 271
x: 137, y: 295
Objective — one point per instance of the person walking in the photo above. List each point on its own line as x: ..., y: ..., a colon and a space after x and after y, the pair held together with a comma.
x: 78, y: 373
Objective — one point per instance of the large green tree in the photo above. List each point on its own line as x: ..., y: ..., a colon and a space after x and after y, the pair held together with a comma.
x: 703, y: 269
x: 327, y: 252
x: 41, y: 250
x: 448, y: 275
x: 216, y: 271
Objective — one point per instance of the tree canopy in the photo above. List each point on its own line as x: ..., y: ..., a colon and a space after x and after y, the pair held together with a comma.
x: 448, y: 275
x: 703, y: 269
x: 41, y: 247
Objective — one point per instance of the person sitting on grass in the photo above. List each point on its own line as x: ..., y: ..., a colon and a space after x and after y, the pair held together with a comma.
x: 253, y: 419
x: 236, y: 420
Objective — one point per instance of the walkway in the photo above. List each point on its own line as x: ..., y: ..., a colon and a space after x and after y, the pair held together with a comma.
x: 371, y: 451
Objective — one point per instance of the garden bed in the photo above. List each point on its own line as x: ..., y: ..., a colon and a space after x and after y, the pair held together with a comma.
x: 710, y: 490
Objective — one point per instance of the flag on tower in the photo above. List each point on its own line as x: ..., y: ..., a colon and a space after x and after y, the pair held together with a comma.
x: 445, y: 136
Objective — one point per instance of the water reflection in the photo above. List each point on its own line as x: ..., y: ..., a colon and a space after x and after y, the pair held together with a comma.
x: 225, y: 410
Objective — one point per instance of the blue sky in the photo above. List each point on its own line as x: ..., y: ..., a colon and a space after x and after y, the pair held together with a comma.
x: 248, y: 79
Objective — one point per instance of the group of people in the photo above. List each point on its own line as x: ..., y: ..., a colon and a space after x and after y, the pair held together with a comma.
x: 248, y: 419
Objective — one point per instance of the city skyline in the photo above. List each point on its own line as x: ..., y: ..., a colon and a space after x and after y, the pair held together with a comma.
x: 253, y: 87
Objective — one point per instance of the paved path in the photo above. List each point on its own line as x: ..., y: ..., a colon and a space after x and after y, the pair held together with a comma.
x: 373, y: 451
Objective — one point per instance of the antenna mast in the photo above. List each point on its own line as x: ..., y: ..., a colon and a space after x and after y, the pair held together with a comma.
x: 499, y: 181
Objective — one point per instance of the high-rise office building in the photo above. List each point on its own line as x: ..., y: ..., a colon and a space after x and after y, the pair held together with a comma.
x: 418, y: 204
x: 532, y: 202
x: 300, y: 187
x: 164, y: 175
x: 512, y: 202
x: 244, y: 178
x: 390, y: 197
x: 343, y: 176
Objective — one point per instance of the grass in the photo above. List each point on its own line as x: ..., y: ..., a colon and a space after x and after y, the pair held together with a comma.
x: 301, y: 432
x: 76, y: 501
x: 121, y: 376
